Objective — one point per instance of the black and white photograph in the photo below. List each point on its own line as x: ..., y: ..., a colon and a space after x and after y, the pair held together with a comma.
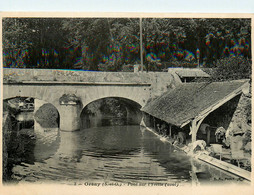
x: 127, y: 101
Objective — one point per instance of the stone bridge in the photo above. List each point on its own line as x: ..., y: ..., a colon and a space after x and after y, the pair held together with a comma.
x: 51, y: 85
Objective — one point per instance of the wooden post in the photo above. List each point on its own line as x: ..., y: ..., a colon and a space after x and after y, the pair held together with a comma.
x: 141, y: 45
x: 193, y: 131
x: 195, y: 124
x: 208, y: 136
x: 170, y: 133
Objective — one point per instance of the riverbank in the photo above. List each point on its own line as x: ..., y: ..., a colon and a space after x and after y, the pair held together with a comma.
x: 204, y: 156
x: 12, y: 146
x: 14, y: 139
x: 6, y: 139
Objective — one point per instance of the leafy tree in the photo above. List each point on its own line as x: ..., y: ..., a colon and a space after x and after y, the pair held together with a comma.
x: 112, y: 44
x: 32, y: 42
x: 14, y: 44
x: 90, y: 38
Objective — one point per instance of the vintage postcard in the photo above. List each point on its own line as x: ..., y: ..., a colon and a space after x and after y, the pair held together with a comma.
x: 128, y: 103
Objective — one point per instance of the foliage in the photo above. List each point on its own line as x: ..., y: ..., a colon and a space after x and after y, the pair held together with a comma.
x: 67, y: 98
x: 47, y: 116
x: 232, y: 68
x: 107, y: 44
x: 33, y: 43
x: 127, y: 68
x: 9, y: 109
x: 113, y: 107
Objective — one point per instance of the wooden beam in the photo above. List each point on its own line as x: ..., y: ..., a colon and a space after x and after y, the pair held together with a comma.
x: 226, y: 166
x: 198, y: 123
x: 195, y: 124
x: 193, y: 131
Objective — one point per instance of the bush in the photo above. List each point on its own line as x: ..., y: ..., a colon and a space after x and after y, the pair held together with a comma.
x: 232, y: 68
x: 128, y: 68
x: 184, y: 64
x: 107, y: 67
x: 47, y: 116
x: 66, y: 98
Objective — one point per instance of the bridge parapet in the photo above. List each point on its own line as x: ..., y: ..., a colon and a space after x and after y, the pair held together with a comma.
x: 20, y: 75
x: 159, y: 81
x: 15, y: 74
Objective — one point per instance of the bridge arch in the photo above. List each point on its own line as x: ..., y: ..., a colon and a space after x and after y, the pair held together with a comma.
x: 111, y: 111
x: 88, y: 101
x: 138, y: 94
x: 43, y: 111
x: 43, y: 95
x: 34, y: 97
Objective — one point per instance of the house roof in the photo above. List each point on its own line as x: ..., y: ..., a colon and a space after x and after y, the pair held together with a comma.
x: 188, y: 72
x: 191, y: 100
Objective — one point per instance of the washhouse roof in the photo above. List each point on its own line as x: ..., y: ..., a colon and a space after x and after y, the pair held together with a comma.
x: 190, y: 101
x: 188, y: 72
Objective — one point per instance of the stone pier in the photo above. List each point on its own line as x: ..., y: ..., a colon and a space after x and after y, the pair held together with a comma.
x: 69, y: 112
x: 69, y: 118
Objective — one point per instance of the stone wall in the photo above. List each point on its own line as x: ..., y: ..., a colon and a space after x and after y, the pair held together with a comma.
x: 235, y: 117
x: 240, y: 125
x: 241, y: 120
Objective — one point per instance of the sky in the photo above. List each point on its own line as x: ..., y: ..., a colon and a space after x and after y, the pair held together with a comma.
x: 150, y: 6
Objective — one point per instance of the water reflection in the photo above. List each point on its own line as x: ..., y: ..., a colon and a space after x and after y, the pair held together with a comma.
x: 120, y: 153
x: 69, y: 150
x: 47, y: 142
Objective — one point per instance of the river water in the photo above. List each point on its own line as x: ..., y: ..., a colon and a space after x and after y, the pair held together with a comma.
x: 117, y: 155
